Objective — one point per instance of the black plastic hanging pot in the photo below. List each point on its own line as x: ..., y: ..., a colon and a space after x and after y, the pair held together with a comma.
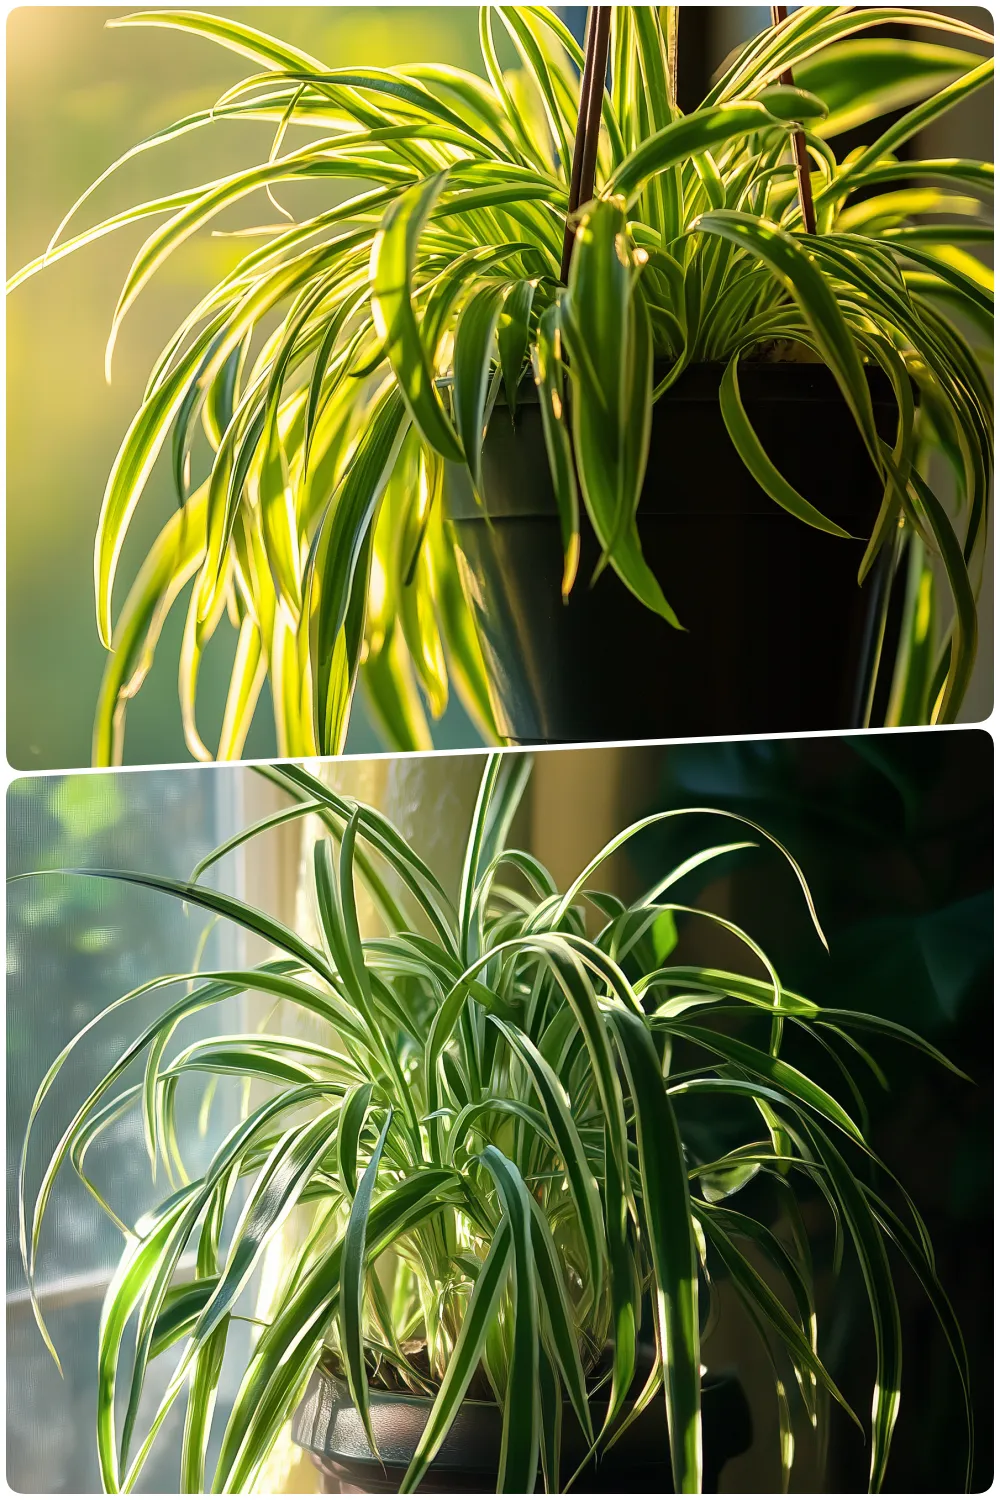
x: 778, y: 635
x: 327, y: 1426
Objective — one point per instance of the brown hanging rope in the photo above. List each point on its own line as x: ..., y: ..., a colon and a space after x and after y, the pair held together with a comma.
x: 588, y: 128
x: 799, y: 148
x: 588, y: 125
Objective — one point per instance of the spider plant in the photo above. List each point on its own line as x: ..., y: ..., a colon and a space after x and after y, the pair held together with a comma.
x: 511, y: 1107
x: 351, y: 355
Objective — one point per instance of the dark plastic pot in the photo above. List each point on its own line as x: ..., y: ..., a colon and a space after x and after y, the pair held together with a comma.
x: 327, y: 1426
x: 778, y: 635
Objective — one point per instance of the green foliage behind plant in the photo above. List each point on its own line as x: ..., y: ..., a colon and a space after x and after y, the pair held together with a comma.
x: 508, y: 1100
x: 350, y: 355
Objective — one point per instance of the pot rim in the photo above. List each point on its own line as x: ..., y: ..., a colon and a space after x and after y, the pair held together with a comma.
x: 710, y: 1380
x: 761, y: 380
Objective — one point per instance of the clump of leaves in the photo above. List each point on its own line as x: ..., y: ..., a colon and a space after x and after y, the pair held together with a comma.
x: 513, y: 1108
x: 349, y: 357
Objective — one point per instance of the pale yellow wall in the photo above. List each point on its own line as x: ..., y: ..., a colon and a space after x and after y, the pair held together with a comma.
x: 580, y: 799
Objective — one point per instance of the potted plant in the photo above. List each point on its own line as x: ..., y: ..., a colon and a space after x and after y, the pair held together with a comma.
x: 733, y: 415
x: 507, y: 1147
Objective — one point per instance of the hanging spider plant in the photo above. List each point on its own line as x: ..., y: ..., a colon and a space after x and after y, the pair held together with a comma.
x: 349, y: 357
x: 512, y: 1107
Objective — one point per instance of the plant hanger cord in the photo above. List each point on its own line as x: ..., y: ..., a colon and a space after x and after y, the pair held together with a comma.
x: 799, y: 148
x: 588, y: 124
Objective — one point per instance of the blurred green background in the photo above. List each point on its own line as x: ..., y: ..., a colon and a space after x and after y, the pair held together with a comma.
x: 77, y: 96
